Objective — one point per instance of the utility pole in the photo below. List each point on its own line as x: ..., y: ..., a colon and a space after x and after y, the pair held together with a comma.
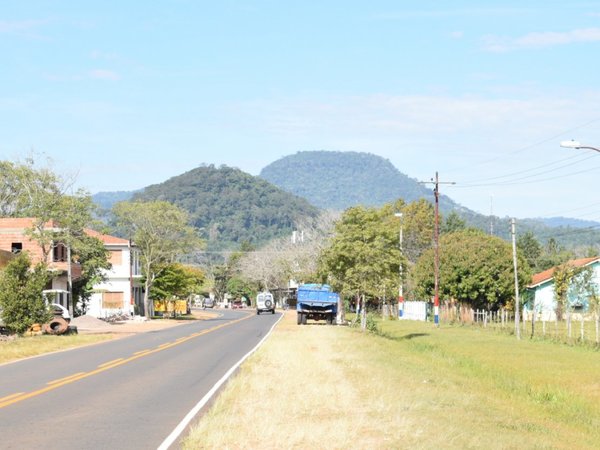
x: 436, y: 264
x: 400, y: 292
x: 517, y: 307
x: 491, y: 215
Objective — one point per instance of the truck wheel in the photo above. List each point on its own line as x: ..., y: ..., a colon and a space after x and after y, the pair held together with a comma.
x: 268, y: 303
x: 258, y: 312
x: 273, y: 311
x: 304, y: 319
x: 299, y: 317
x: 57, y: 325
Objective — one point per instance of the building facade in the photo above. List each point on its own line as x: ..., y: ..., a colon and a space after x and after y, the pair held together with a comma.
x: 542, y: 291
x: 121, y: 291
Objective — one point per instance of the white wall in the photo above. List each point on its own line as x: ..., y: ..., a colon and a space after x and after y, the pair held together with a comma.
x: 117, y: 280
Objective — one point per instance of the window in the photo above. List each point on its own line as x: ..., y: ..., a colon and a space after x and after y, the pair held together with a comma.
x: 112, y: 300
x: 116, y: 257
x: 16, y: 247
x: 59, y: 253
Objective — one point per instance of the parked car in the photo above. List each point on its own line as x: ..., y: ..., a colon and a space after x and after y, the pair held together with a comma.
x: 265, y: 303
x: 237, y: 304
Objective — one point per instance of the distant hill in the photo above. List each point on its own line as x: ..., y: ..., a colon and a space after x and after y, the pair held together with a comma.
x: 230, y: 206
x: 106, y: 200
x: 568, y: 222
x: 338, y: 180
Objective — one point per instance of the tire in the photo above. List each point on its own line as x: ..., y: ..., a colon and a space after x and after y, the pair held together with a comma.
x: 304, y: 319
x: 57, y: 325
x: 258, y: 312
x: 299, y: 317
x: 268, y: 304
x: 273, y: 311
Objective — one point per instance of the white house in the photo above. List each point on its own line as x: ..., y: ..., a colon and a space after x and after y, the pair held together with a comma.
x: 542, y: 289
x: 122, y: 291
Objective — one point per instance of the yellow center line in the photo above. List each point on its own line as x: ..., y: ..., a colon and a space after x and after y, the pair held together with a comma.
x: 111, y: 363
x: 18, y: 397
x: 65, y: 378
x: 8, y: 397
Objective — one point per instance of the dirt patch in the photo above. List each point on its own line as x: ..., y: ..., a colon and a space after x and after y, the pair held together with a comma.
x: 89, y: 324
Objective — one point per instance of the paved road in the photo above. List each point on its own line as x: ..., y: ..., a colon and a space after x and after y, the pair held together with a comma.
x: 124, y: 394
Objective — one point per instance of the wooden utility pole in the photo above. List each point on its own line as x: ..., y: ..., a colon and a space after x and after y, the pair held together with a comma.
x: 436, y: 264
x: 517, y: 307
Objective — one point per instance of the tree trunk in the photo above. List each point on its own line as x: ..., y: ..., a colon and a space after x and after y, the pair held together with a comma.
x: 147, y: 299
x: 363, y: 314
x: 597, y: 328
x: 341, y: 312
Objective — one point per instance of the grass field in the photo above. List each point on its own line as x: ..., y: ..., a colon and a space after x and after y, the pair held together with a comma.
x: 25, y: 347
x: 318, y: 386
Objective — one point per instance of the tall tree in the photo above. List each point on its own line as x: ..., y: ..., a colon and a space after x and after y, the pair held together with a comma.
x: 475, y: 268
x: 363, y: 256
x: 27, y: 190
x: 161, y: 231
x: 453, y: 223
x: 418, y: 222
x: 288, y: 258
x: 531, y: 249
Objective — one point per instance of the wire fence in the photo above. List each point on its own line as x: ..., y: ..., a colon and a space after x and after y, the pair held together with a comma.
x: 573, y: 328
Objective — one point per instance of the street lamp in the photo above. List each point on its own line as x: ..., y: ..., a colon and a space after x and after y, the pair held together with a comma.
x: 400, y: 293
x: 577, y: 145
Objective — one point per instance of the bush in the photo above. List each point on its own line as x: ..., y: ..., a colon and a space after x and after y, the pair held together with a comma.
x: 21, y: 300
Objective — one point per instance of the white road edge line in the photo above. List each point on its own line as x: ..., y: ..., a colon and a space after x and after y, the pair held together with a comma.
x: 188, y: 418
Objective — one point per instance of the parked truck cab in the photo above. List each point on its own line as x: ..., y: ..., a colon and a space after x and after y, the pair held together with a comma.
x: 316, y: 302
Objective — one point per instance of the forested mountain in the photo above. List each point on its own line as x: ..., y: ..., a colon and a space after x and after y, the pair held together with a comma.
x: 230, y: 206
x: 338, y: 180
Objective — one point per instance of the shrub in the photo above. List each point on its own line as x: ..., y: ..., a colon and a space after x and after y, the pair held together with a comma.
x: 21, y: 300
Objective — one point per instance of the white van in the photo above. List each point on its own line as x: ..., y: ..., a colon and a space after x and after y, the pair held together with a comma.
x: 265, y: 302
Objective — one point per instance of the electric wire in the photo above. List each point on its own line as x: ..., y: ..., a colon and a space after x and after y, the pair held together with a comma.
x: 527, y: 147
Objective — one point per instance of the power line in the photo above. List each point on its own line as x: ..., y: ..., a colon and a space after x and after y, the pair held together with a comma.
x: 579, y: 157
x: 517, y: 182
x: 527, y: 147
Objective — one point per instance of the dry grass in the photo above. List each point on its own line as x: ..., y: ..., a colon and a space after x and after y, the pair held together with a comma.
x: 25, y: 347
x: 418, y: 387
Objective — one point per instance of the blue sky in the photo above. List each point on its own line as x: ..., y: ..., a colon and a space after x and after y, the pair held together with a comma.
x: 123, y: 94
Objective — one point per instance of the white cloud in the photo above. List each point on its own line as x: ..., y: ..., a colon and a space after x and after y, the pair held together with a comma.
x: 539, y: 40
x: 441, y: 13
x: 103, y: 74
x: 457, y: 34
x: 22, y: 27
x: 105, y: 56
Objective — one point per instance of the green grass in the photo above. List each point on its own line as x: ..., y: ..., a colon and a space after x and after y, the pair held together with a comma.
x: 25, y: 347
x: 415, y: 386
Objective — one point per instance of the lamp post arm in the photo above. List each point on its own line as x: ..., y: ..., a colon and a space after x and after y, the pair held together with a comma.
x: 590, y: 148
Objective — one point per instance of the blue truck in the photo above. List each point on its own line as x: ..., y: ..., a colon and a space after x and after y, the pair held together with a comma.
x: 316, y: 302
